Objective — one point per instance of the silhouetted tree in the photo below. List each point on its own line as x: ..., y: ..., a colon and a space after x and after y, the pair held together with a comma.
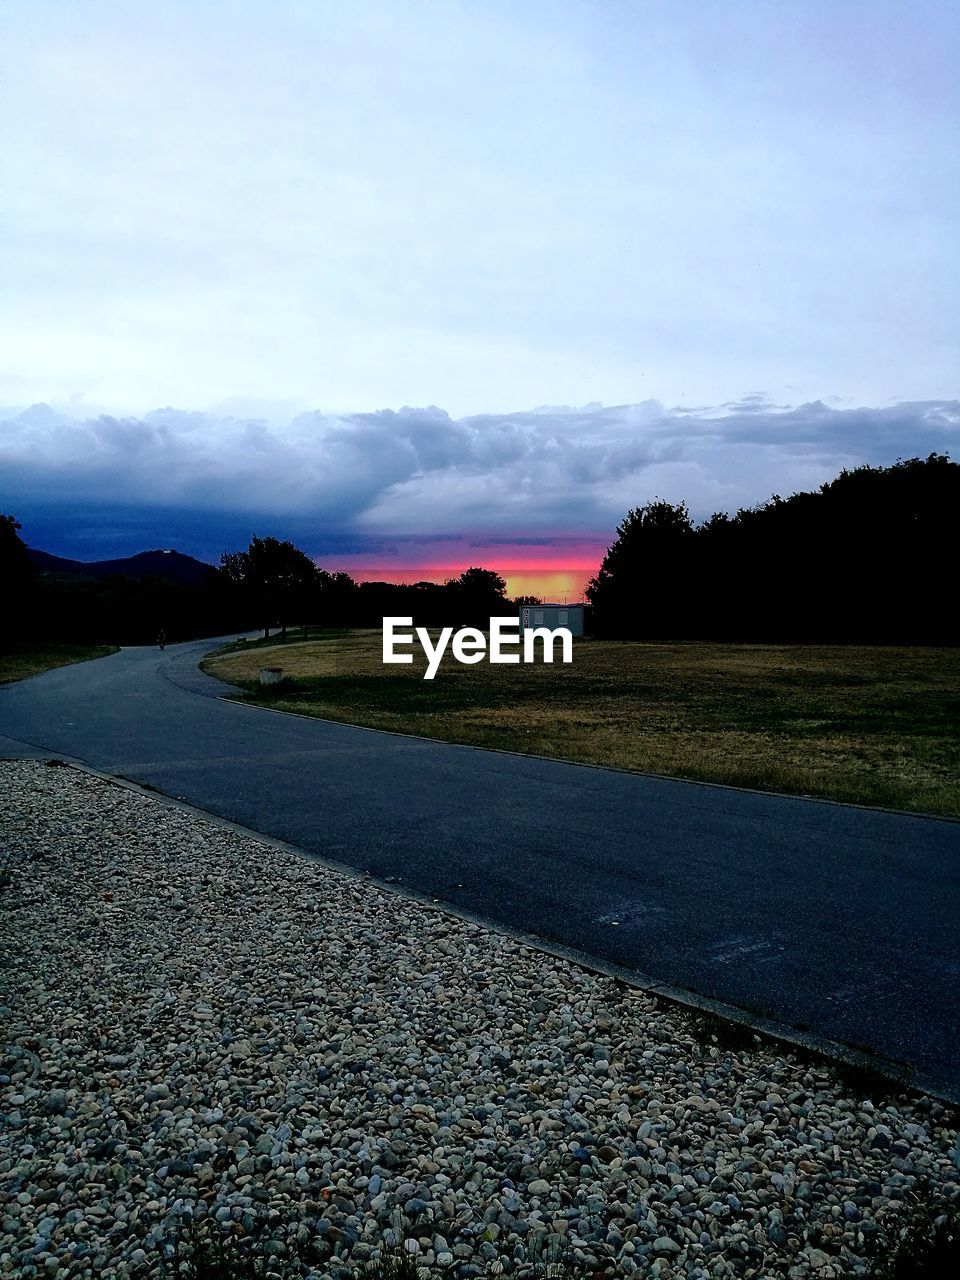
x: 15, y: 564
x: 17, y: 576
x: 868, y: 557
x: 476, y: 596
x: 336, y: 600
x: 277, y: 579
x: 643, y: 586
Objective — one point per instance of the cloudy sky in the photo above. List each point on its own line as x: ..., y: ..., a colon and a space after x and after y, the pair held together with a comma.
x: 737, y: 222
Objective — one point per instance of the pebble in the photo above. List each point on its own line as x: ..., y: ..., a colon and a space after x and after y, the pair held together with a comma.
x: 198, y: 1026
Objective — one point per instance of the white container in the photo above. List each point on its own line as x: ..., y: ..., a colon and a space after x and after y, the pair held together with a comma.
x: 271, y: 675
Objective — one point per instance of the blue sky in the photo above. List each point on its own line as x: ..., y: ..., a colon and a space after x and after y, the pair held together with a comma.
x: 265, y: 210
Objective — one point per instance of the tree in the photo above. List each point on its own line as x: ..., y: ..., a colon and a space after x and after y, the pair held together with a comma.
x: 481, y: 582
x: 867, y: 558
x: 17, y: 571
x: 14, y: 560
x: 277, y: 579
x: 642, y: 585
x: 478, y: 595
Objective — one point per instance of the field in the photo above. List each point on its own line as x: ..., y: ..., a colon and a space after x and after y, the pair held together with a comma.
x: 18, y: 661
x: 878, y: 726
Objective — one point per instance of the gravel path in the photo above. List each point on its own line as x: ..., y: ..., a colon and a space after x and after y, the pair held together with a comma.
x: 197, y: 1024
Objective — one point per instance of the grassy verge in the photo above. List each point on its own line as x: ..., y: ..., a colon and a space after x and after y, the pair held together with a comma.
x: 17, y: 661
x: 869, y: 725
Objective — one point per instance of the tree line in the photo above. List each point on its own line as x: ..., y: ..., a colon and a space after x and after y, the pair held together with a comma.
x: 270, y: 586
x: 278, y: 584
x: 869, y: 557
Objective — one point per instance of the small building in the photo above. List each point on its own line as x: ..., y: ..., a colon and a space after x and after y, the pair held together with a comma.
x: 552, y: 616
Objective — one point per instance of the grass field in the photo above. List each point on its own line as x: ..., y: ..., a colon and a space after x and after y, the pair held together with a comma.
x: 18, y: 661
x: 870, y: 725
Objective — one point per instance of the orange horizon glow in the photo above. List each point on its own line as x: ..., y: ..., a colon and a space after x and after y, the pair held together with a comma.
x: 558, y: 569
x: 557, y: 583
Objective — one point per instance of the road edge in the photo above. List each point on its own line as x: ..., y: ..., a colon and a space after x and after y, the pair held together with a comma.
x: 897, y: 1074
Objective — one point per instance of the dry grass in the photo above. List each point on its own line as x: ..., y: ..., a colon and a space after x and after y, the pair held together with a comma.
x: 19, y: 661
x: 864, y: 724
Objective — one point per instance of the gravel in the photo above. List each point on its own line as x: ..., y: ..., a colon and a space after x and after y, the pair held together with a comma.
x: 200, y: 1025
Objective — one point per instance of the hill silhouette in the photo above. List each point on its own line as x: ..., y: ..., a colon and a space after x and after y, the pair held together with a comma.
x: 159, y: 563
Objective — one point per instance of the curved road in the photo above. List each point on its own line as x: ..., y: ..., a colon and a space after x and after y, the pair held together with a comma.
x: 839, y: 921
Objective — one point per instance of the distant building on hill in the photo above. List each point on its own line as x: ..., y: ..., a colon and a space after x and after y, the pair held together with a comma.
x: 552, y: 616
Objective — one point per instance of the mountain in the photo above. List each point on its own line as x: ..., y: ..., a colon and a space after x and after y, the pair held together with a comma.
x: 147, y: 564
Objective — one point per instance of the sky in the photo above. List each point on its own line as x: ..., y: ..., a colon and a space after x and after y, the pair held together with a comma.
x: 426, y: 279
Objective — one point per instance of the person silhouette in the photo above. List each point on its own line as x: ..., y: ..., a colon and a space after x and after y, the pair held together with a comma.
x: 162, y: 639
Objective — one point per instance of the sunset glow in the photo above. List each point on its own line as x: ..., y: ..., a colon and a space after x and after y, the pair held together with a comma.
x: 552, y: 568
x: 563, y: 585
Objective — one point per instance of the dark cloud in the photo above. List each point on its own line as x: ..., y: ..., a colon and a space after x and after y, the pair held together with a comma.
x: 362, y: 481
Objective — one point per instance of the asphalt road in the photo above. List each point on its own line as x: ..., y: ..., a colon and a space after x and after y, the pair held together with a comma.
x: 839, y: 921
